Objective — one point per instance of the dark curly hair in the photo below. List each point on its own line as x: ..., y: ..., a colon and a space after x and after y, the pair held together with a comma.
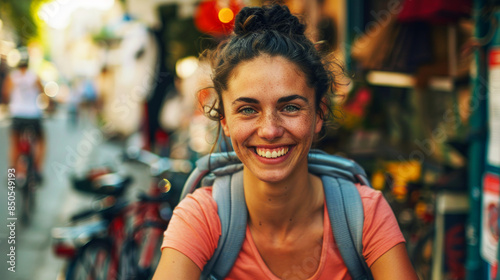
x: 272, y: 30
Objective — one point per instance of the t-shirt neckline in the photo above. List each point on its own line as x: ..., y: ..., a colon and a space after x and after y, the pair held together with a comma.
x: 324, y: 249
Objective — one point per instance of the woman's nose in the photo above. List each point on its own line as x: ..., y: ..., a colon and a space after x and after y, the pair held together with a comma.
x: 270, y: 127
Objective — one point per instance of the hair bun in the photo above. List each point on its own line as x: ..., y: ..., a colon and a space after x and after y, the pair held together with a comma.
x: 276, y: 17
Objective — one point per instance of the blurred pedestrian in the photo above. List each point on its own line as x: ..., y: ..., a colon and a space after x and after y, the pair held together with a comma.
x: 21, y: 90
x: 84, y: 100
x: 73, y: 103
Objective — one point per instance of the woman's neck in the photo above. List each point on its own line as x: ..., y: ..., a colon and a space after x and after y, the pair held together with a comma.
x: 281, y: 207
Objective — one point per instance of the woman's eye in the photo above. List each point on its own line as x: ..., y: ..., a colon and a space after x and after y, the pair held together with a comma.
x: 291, y: 108
x: 247, y: 111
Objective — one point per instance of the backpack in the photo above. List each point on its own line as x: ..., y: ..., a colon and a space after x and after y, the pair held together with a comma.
x: 224, y: 171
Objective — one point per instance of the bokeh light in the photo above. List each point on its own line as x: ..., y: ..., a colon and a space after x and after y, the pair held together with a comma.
x: 42, y: 101
x: 51, y: 89
x: 226, y: 15
x: 164, y: 185
x: 48, y: 72
x: 13, y: 58
x: 186, y: 67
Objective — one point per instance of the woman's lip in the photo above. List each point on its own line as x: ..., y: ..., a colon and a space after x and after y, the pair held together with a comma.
x: 270, y: 147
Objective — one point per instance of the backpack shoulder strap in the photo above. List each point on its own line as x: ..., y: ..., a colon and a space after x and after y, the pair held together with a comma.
x: 217, y: 163
x: 222, y: 171
x: 345, y: 210
x: 344, y: 206
x: 229, y: 195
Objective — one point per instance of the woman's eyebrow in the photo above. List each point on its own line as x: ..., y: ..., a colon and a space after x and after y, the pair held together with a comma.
x: 292, y: 97
x: 246, y: 100
x: 281, y: 100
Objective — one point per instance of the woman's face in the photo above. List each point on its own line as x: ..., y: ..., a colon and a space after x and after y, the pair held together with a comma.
x: 271, y: 117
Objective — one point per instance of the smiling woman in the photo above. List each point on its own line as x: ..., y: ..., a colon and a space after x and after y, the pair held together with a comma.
x: 273, y: 90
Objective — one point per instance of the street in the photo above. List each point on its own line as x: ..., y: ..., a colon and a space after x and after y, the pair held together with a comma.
x: 69, y: 149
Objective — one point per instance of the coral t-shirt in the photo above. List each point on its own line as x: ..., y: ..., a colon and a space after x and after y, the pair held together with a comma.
x: 195, y: 229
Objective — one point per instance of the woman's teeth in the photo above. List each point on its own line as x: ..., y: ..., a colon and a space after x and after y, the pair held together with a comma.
x: 272, y: 153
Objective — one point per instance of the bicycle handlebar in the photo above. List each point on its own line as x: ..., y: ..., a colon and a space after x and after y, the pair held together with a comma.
x: 164, y: 197
x: 158, y: 165
x: 107, y: 213
x: 83, y: 214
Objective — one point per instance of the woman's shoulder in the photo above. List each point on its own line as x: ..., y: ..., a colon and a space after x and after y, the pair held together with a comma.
x: 369, y: 194
x: 195, y: 227
x: 380, y: 228
x: 200, y: 199
x: 374, y: 202
x: 204, y: 192
x: 196, y: 212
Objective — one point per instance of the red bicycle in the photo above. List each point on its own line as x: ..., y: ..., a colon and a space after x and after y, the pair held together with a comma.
x: 26, y: 178
x: 151, y: 214
x: 125, y: 242
x: 93, y: 249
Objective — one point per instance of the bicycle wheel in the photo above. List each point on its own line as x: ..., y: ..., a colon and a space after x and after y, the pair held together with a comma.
x: 94, y: 261
x: 141, y: 253
x: 29, y: 200
x: 27, y: 185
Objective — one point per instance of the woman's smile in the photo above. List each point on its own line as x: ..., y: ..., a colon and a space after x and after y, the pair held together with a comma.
x: 272, y: 153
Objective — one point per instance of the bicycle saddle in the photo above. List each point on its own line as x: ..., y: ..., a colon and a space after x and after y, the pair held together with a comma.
x: 112, y: 184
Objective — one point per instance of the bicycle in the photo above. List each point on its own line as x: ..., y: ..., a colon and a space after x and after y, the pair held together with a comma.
x: 26, y: 176
x: 141, y: 252
x: 125, y: 243
x: 151, y: 214
x: 91, y: 251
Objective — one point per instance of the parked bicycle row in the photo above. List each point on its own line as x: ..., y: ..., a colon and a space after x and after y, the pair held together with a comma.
x: 118, y: 237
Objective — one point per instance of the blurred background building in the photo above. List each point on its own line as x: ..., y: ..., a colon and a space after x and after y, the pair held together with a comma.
x: 419, y: 106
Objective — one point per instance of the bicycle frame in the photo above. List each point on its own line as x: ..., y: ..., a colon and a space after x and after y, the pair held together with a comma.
x: 113, y: 224
x: 147, y: 227
x: 148, y: 224
x: 68, y: 241
x: 25, y: 171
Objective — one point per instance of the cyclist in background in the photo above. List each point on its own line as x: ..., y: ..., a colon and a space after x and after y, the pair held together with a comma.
x: 20, y: 90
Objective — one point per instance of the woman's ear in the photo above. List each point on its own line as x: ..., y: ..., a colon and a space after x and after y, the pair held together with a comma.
x: 225, y: 128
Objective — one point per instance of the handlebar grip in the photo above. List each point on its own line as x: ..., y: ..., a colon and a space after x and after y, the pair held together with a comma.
x: 83, y: 214
x: 164, y: 197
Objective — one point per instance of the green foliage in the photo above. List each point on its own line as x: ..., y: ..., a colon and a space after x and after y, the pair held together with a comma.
x: 21, y: 14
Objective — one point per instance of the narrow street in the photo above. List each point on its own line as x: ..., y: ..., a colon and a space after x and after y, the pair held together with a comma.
x: 69, y: 150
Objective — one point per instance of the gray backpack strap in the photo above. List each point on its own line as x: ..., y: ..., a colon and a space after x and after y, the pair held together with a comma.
x: 345, y: 210
x: 344, y: 207
x: 207, y: 164
x: 228, y: 193
x: 223, y: 172
x: 336, y: 166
